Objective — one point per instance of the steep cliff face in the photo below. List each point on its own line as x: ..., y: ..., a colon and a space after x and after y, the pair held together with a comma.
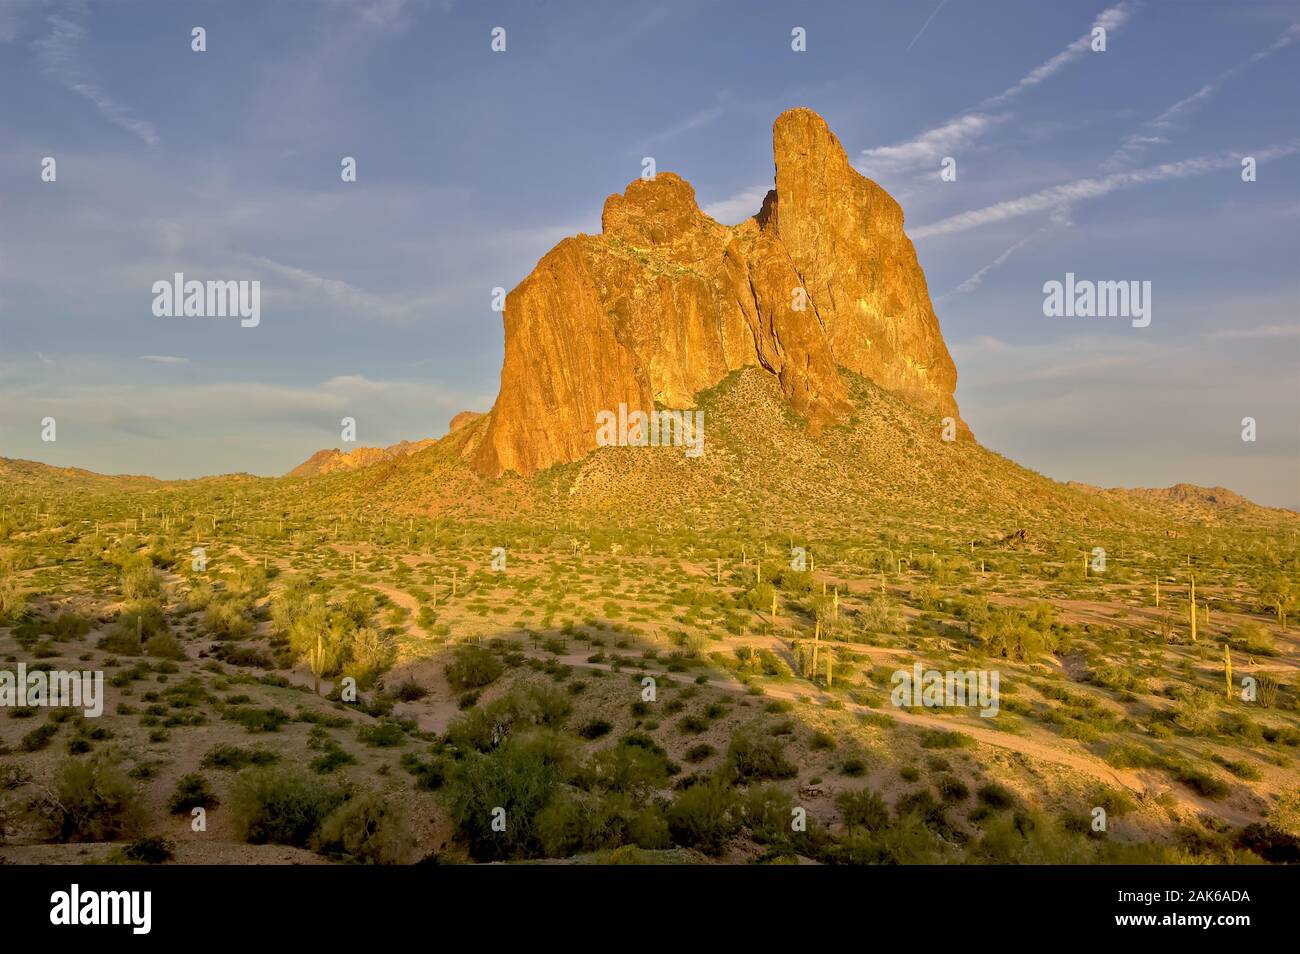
x: 666, y: 301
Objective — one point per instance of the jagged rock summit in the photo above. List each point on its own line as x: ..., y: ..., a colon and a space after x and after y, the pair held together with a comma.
x: 665, y: 302
x: 332, y: 459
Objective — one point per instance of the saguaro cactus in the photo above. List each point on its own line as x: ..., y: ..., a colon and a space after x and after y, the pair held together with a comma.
x: 1227, y: 671
x: 817, y: 635
x: 1191, y: 604
x: 317, y: 663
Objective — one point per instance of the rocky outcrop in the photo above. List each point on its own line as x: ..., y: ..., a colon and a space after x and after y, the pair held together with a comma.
x: 463, y: 419
x: 665, y: 302
x: 332, y: 459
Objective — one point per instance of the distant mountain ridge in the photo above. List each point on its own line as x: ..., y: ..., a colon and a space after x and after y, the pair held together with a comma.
x: 332, y: 459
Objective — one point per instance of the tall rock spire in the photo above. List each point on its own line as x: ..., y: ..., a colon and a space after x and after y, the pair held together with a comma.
x: 666, y: 301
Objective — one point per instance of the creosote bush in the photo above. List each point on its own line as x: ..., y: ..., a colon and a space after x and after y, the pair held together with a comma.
x: 281, y: 805
x: 91, y: 800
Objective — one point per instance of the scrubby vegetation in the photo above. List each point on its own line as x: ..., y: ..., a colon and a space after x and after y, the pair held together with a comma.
x: 366, y: 688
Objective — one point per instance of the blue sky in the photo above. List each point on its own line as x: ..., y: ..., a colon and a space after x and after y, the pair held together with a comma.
x: 1115, y: 165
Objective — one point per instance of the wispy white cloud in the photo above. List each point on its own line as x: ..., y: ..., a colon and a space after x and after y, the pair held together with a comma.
x: 61, y: 54
x: 164, y: 359
x: 1110, y: 19
x: 129, y: 424
x: 1157, y: 130
x: 381, y: 13
x: 923, y: 152
x: 1060, y: 219
x: 311, y: 287
x: 697, y: 120
x: 926, y: 150
x: 1093, y: 188
x: 1257, y: 332
x: 1039, y: 403
x: 736, y: 208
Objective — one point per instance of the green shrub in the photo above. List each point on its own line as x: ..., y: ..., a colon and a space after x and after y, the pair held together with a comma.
x: 486, y: 728
x: 1127, y: 755
x: 39, y: 737
x: 192, y: 792
x: 139, y: 581
x: 700, y: 752
x: 628, y: 768
x: 863, y: 809
x: 255, y: 719
x: 90, y: 800
x: 1032, y: 839
x: 234, y: 757
x: 164, y: 646
x: 135, y: 625
x: 238, y: 654
x: 366, y: 830
x: 228, y: 618
x: 68, y: 625
x: 907, y: 842
x: 472, y: 667
x: 753, y: 756
x: 1116, y: 802
x: 410, y: 691
x: 768, y: 812
x: 952, y: 789
x: 12, y: 599
x: 429, y: 775
x: 575, y: 822
x: 996, y: 795
x: 145, y: 851
x: 705, y: 816
x: 280, y: 806
x: 1200, y: 781
x: 333, y: 758
x: 518, y: 776
x: 939, y: 739
x: 595, y: 728
x: 382, y: 735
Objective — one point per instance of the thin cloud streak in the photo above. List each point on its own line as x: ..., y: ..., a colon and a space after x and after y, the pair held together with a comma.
x: 929, y: 147
x: 1093, y: 188
x: 60, y: 55
x: 1110, y: 19
x: 925, y: 26
x: 965, y: 129
x: 1135, y: 144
